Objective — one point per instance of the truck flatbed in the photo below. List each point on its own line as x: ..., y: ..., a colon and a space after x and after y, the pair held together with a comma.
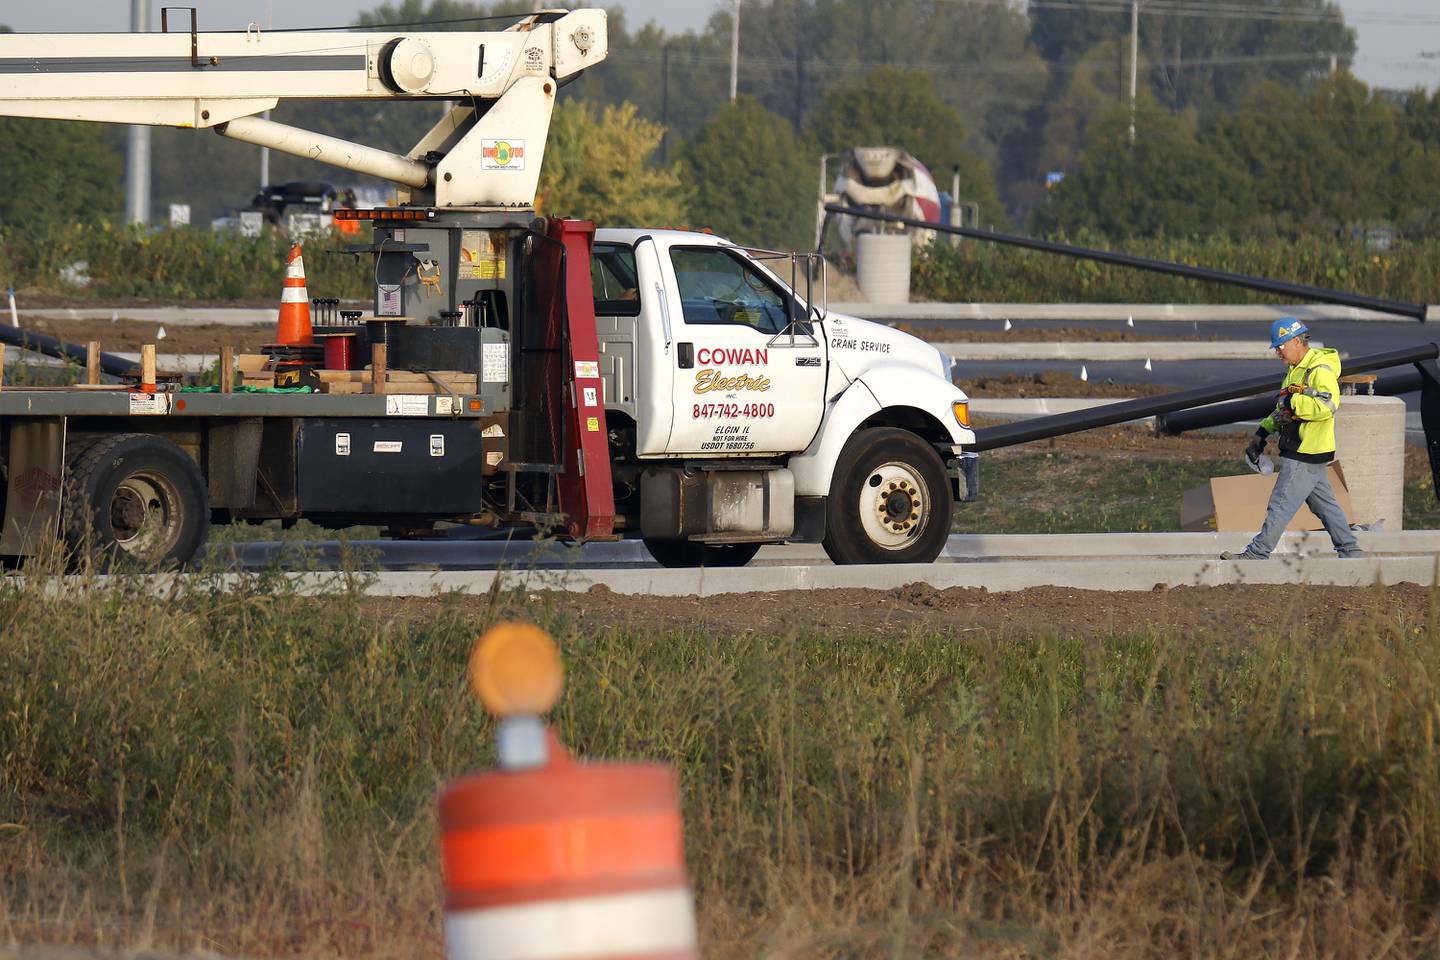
x: 52, y: 402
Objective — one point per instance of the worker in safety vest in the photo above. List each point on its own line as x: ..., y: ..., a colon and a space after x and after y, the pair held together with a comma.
x: 1304, y: 417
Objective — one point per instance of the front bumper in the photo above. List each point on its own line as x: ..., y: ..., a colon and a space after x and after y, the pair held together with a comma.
x: 964, y: 471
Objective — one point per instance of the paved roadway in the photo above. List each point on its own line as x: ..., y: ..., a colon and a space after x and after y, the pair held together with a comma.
x: 962, y: 549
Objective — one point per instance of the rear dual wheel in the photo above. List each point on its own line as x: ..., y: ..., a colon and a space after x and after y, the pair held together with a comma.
x: 134, y: 498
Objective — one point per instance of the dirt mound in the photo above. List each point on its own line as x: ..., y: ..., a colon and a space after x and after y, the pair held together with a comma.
x: 1196, y: 612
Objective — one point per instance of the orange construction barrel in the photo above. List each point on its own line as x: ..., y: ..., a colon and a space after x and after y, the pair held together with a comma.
x: 550, y: 859
x: 568, y: 860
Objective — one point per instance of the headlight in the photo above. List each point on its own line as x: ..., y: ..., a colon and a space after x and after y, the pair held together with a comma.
x: 962, y: 412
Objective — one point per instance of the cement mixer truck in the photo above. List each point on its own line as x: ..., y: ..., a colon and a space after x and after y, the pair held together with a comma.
x: 884, y: 180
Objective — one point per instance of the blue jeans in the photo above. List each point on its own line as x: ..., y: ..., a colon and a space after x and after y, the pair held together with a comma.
x: 1307, y: 483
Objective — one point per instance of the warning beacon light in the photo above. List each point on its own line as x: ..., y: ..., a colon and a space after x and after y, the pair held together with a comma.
x: 516, y: 673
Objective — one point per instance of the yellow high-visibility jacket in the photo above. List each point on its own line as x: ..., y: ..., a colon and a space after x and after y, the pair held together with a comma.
x: 1308, y: 433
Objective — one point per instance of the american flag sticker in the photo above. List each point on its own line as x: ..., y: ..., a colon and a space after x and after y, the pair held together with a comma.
x: 502, y: 154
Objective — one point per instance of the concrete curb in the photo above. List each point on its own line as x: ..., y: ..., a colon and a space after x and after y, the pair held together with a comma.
x: 1105, y: 576
x: 1083, y: 312
x: 175, y: 316
x: 999, y: 577
x: 1099, y: 352
x: 962, y: 548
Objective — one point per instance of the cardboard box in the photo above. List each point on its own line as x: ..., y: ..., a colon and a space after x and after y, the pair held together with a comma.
x: 1238, y: 503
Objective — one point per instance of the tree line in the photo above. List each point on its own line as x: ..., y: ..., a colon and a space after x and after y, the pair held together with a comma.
x: 1246, y: 122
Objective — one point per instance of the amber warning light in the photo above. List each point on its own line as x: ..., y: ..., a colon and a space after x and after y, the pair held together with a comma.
x: 516, y: 673
x: 384, y: 213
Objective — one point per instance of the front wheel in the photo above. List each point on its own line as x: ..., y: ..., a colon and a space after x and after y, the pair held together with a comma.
x: 688, y: 553
x: 889, y: 500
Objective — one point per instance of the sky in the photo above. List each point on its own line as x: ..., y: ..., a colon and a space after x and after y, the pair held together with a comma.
x: 1395, y: 36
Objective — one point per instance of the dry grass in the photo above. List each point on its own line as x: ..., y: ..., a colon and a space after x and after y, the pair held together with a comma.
x: 253, y: 774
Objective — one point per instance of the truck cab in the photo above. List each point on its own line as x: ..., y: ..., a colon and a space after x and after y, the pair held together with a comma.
x: 704, y: 403
x: 741, y: 413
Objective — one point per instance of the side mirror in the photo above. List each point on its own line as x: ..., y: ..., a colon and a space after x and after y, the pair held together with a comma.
x: 823, y: 310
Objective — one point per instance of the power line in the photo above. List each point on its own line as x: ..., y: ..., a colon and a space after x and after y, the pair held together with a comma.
x: 1037, y: 66
x: 1214, y: 11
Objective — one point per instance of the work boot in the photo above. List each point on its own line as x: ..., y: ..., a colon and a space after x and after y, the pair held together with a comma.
x: 1242, y: 555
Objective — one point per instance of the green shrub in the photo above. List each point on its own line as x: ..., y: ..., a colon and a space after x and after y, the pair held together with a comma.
x: 177, y: 264
x: 986, y: 272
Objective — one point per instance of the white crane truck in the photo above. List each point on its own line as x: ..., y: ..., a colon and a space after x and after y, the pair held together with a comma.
x: 658, y: 382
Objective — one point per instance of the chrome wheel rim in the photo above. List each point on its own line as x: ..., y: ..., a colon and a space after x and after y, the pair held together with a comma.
x: 144, y: 515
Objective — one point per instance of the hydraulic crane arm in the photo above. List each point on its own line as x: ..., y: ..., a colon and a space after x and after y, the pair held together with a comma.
x: 485, y: 153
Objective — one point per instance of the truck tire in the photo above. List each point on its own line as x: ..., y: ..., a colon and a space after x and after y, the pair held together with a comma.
x: 135, y: 498
x: 688, y: 553
x: 889, y: 500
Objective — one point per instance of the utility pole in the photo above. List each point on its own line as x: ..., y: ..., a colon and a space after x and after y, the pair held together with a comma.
x: 265, y: 151
x: 734, y: 51
x: 665, y: 102
x: 137, y: 150
x: 1134, y: 60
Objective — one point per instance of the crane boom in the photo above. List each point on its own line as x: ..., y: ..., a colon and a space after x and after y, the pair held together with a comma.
x: 485, y: 152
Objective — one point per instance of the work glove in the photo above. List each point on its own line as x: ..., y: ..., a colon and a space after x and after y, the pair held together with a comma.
x: 1256, y: 447
x: 1284, y: 412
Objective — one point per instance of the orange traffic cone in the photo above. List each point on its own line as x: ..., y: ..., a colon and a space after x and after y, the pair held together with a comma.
x: 294, y: 326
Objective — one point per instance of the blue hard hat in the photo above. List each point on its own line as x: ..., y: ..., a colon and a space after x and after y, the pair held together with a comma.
x: 1286, y: 329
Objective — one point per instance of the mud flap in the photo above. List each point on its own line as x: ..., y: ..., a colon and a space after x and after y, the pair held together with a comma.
x: 964, y: 473
x: 1430, y: 416
x: 36, y: 473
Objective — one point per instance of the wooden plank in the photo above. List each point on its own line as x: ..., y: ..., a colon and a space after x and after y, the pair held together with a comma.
x: 92, y: 362
x: 347, y: 389
x: 354, y: 389
x: 377, y: 367
x: 395, y: 376
x: 2, y: 366
x: 227, y: 369
x: 147, y: 365
x: 253, y: 362
x: 418, y: 389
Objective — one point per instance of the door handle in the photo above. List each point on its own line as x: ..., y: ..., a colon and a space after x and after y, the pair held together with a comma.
x: 686, y: 353
x: 664, y: 315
